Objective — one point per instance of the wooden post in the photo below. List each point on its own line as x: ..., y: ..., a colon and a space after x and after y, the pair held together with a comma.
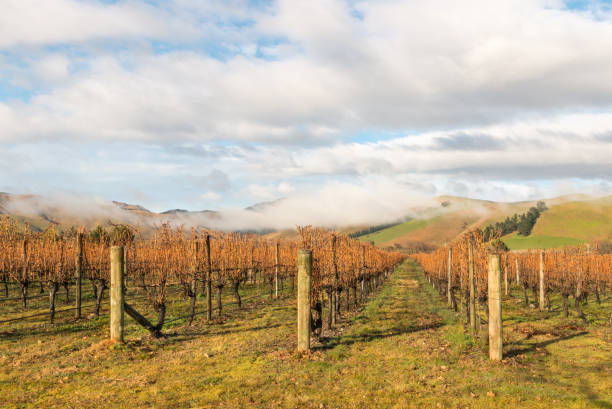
x: 208, y: 279
x: 330, y: 307
x: 276, y: 267
x: 24, y: 271
x: 303, y: 299
x: 53, y: 284
x: 449, y: 276
x: 116, y: 294
x: 518, y: 276
x: 495, y: 308
x: 471, y: 280
x: 542, y: 287
x: 362, y: 274
x: 506, y: 277
x: 335, y: 294
x: 251, y: 270
x: 125, y: 268
x: 348, y: 298
x: 79, y: 272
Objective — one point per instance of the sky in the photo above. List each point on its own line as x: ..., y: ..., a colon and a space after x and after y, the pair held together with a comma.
x: 363, y: 107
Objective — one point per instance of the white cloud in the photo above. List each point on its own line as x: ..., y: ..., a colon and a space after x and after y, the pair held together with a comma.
x: 210, y: 196
x: 53, y: 68
x: 285, y: 188
x: 261, y: 192
x: 403, y: 65
x: 24, y: 22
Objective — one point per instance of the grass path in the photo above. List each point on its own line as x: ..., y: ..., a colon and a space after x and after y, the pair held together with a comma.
x: 402, y: 349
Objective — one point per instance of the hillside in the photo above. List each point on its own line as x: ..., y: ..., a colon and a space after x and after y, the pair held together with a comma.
x: 570, y: 220
x: 439, y: 225
x: 584, y: 220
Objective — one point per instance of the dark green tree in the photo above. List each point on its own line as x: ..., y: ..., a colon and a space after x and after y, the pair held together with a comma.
x: 541, y: 206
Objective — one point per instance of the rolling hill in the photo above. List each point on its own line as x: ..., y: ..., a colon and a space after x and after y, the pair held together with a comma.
x: 584, y: 220
x: 439, y: 225
x: 570, y: 220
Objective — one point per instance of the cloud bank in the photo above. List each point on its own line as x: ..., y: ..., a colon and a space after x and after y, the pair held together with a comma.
x: 222, y: 104
x: 305, y: 72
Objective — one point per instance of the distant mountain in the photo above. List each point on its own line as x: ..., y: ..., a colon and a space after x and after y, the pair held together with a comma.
x: 175, y: 211
x: 127, y: 206
x: 39, y: 213
x: 259, y: 207
x: 568, y: 220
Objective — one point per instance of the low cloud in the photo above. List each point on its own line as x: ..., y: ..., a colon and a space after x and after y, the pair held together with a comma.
x: 334, y: 204
x: 69, y: 209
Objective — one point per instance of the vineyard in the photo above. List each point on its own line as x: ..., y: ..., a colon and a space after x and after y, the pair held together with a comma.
x: 460, y: 272
x: 176, y: 263
x: 213, y: 323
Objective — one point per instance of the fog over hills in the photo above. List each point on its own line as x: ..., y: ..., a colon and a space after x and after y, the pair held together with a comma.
x: 428, y: 220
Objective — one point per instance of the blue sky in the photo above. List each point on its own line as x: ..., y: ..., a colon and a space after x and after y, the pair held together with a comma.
x: 217, y: 104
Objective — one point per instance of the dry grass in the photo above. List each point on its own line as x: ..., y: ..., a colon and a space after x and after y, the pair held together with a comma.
x: 403, y: 349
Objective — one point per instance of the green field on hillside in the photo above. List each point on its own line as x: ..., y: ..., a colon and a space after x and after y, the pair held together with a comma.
x: 397, y: 231
x: 586, y: 221
x: 563, y: 224
x: 516, y: 242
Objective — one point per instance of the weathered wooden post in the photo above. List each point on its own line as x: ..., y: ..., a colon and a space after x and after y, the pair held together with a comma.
x: 506, y: 277
x: 362, y: 272
x: 24, y: 271
x: 472, y: 286
x: 518, y: 275
x: 116, y: 294
x: 303, y: 299
x: 495, y: 308
x: 276, y: 268
x: 53, y: 284
x: 347, y: 306
x: 251, y: 270
x: 208, y: 279
x: 125, y: 268
x: 335, y: 294
x: 449, y: 276
x: 79, y: 273
x: 330, y: 306
x: 542, y: 295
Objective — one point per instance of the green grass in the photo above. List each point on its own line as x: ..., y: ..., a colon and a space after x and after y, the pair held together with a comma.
x: 589, y: 220
x: 403, y: 349
x: 568, y: 223
x: 516, y: 242
x: 397, y: 231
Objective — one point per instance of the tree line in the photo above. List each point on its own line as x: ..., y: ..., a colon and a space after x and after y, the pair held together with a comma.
x: 522, y: 223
